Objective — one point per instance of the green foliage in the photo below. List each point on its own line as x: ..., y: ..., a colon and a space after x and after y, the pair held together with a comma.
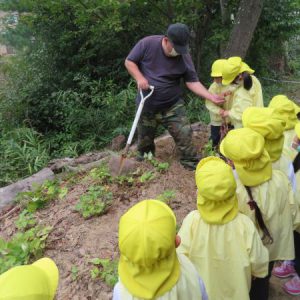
x: 159, y: 166
x: 105, y: 269
x: 147, y: 176
x: 208, y: 149
x: 166, y: 196
x: 26, y: 220
x: 42, y: 195
x: 23, y: 247
x: 196, y: 109
x: 22, y: 153
x: 74, y: 272
x: 101, y: 174
x: 95, y: 202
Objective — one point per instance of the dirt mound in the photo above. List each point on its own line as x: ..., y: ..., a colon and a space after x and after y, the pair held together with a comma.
x: 74, y: 241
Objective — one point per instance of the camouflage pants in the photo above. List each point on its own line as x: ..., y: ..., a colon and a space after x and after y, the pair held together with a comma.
x: 175, y: 121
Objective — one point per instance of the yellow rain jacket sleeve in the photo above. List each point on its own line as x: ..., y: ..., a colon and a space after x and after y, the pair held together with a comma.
x: 226, y: 256
x: 287, y: 146
x: 276, y: 202
x: 213, y: 109
x: 241, y: 100
x: 187, y: 287
x: 256, y: 92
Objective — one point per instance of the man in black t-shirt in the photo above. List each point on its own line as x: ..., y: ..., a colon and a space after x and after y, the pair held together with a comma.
x: 162, y: 61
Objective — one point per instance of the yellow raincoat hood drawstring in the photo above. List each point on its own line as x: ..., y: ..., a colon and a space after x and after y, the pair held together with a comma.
x: 216, y: 198
x: 148, y: 265
x: 264, y: 121
x: 245, y: 148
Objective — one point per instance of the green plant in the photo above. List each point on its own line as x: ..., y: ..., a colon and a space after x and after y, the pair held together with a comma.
x: 26, y: 220
x: 208, y: 149
x: 159, y: 166
x: 23, y: 247
x: 101, y: 174
x: 106, y: 269
x: 74, y: 272
x: 42, y: 195
x: 147, y: 176
x: 95, y: 202
x: 166, y: 196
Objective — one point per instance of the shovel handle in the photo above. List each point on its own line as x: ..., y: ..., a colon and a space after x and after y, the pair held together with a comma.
x: 138, y: 113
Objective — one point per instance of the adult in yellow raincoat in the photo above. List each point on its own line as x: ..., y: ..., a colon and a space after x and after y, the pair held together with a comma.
x: 215, y: 110
x: 235, y: 73
x: 31, y: 282
x: 223, y: 244
x: 264, y: 195
x: 265, y: 121
x: 149, y: 267
x: 286, y: 110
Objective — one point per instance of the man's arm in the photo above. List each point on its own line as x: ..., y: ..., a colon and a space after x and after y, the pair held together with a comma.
x: 198, y: 89
x: 134, y: 71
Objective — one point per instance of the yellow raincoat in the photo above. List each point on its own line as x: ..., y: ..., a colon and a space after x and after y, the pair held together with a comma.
x: 222, y: 243
x: 256, y: 92
x: 187, y: 286
x: 271, y: 190
x: 149, y: 267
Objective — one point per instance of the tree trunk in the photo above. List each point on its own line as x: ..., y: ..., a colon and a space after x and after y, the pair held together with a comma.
x: 244, y: 27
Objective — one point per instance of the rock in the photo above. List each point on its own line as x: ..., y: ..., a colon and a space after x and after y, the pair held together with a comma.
x: 118, y: 143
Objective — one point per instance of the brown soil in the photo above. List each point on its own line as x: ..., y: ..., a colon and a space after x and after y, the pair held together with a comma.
x: 74, y: 241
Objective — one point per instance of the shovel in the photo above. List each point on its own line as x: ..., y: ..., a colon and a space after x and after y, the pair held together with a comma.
x: 118, y: 164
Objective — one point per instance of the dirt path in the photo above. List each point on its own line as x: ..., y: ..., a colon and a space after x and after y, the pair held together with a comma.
x: 74, y: 241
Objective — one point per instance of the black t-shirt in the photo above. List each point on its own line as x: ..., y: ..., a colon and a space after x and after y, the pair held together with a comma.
x: 161, y: 71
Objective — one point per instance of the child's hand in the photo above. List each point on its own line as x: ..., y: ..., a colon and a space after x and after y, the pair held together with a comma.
x: 224, y: 113
x: 225, y: 94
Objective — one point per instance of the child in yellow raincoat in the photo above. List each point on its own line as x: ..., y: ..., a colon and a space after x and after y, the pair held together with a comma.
x: 31, y: 282
x: 237, y: 73
x: 286, y: 110
x: 269, y: 124
x: 265, y: 196
x: 292, y: 268
x: 214, y: 110
x: 149, y: 267
x: 223, y: 244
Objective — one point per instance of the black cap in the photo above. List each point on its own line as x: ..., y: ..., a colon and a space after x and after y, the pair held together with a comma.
x: 179, y: 35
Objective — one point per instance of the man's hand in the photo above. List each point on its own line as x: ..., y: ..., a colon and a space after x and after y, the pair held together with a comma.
x: 217, y: 99
x: 143, y: 84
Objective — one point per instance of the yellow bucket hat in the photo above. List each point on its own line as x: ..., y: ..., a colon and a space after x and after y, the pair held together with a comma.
x: 231, y: 69
x: 264, y: 121
x: 246, y: 68
x: 285, y: 109
x: 216, y: 68
x: 245, y: 148
x: 297, y: 108
x: 148, y: 265
x: 216, y: 197
x: 36, y: 281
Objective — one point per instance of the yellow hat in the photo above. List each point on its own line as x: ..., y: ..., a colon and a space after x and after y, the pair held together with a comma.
x: 231, y: 69
x: 216, y: 198
x: 148, y: 265
x: 264, y: 121
x: 245, y: 148
x: 285, y: 109
x: 246, y: 68
x: 216, y: 68
x: 36, y: 281
x: 297, y: 130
